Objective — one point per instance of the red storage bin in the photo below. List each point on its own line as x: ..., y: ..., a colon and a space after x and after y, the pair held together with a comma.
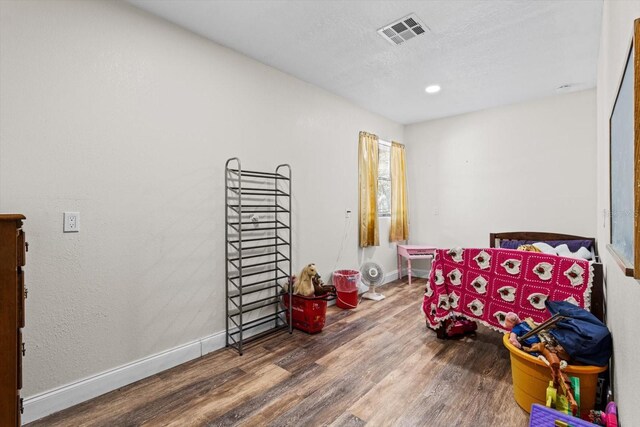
x: 309, y: 313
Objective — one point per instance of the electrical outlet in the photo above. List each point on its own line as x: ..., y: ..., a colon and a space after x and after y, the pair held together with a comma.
x: 71, y: 222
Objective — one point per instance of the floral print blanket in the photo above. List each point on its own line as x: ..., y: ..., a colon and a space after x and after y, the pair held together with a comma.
x: 486, y: 284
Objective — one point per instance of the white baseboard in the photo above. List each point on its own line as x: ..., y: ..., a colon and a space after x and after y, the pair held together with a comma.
x: 423, y: 274
x: 415, y: 272
x: 48, y: 402
x: 393, y: 275
x: 212, y: 343
x: 390, y: 276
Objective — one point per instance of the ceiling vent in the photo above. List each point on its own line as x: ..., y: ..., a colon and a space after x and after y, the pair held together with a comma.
x: 403, y: 29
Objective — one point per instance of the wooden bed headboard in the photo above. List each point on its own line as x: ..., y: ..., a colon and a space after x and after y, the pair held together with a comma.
x: 598, y: 303
x: 537, y: 237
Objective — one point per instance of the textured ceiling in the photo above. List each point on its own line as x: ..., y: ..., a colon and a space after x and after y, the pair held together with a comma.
x: 483, y: 53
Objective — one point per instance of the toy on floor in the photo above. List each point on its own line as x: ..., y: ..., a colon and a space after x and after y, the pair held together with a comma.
x: 608, y: 418
x: 460, y: 326
x: 455, y: 327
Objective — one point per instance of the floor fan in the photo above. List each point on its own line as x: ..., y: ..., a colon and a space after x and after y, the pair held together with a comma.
x: 372, y: 275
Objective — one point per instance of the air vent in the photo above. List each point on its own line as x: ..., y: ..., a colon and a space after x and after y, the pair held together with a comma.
x: 403, y: 29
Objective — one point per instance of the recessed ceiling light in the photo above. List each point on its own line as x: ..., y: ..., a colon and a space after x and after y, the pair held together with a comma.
x: 432, y: 89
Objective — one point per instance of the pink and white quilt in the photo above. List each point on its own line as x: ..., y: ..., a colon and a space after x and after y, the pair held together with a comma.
x: 486, y: 284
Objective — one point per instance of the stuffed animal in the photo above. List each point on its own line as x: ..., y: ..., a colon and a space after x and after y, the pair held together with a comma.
x: 320, y: 288
x: 304, y: 283
x: 528, y: 248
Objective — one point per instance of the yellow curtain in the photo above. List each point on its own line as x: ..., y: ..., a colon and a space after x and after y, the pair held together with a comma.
x: 399, y: 209
x: 368, y: 189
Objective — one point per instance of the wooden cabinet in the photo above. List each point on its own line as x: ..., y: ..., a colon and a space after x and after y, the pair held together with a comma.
x: 13, y: 250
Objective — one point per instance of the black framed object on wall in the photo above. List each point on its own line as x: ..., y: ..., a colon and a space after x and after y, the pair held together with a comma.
x: 624, y: 168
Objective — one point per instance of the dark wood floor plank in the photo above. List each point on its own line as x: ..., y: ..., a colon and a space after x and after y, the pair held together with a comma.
x: 347, y: 420
x: 337, y: 335
x: 327, y: 403
x: 465, y: 379
x: 174, y: 402
x: 202, y: 409
x: 264, y: 407
x: 376, y: 365
x: 400, y: 388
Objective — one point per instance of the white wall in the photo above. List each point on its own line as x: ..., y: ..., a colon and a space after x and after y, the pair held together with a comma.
x: 623, y: 293
x: 522, y: 167
x: 128, y: 119
x: 109, y: 111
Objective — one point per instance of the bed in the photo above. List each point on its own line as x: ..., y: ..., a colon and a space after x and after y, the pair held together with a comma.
x: 597, y: 289
x: 484, y: 284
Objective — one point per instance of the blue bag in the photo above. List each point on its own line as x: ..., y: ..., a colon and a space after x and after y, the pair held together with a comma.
x: 582, y: 335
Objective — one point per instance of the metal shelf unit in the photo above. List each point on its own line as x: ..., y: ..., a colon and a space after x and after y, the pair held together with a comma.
x: 258, y: 252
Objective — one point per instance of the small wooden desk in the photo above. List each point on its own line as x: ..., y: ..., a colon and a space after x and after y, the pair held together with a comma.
x: 413, y: 252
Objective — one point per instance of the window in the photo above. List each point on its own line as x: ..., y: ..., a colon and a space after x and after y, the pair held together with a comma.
x: 384, y: 179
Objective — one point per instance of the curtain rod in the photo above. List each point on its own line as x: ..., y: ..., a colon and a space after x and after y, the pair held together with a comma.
x: 386, y: 143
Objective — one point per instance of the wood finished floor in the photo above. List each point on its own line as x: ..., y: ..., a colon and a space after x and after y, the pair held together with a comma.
x: 376, y: 365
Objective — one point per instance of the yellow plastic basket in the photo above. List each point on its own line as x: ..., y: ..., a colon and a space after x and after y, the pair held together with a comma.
x: 531, y: 378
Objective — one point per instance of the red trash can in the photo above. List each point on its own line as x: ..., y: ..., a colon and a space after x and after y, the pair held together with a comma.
x: 346, y: 283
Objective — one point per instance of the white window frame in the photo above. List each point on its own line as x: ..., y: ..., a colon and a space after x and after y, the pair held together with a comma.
x: 385, y: 214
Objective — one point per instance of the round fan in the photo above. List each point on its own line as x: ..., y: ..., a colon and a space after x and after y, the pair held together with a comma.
x: 372, y: 275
